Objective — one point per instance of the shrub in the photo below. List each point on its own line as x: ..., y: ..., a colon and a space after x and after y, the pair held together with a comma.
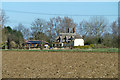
x: 82, y: 47
x: 99, y: 46
x: 92, y: 45
x: 85, y: 47
x: 2, y: 46
x: 13, y: 44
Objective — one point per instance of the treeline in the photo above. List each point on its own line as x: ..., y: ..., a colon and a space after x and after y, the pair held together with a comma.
x: 95, y: 31
x: 98, y: 31
x: 11, y: 38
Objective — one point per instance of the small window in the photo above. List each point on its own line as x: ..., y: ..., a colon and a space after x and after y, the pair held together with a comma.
x: 60, y: 44
x: 34, y: 45
x: 53, y: 45
x: 29, y: 44
x: 65, y: 39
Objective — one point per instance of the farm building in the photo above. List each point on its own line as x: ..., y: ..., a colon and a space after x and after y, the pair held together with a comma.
x: 68, y: 39
x: 35, y: 44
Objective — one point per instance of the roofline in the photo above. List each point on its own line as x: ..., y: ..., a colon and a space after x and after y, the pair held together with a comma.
x: 35, y: 40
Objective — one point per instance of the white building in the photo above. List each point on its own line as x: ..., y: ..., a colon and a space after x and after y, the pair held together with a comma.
x: 78, y: 42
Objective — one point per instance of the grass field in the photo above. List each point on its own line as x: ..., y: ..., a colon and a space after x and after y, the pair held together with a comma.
x: 74, y: 50
x: 59, y: 64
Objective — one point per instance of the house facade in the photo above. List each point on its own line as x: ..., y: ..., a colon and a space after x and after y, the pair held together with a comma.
x: 35, y: 44
x: 68, y: 39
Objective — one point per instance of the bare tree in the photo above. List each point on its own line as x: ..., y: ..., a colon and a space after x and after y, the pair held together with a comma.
x: 58, y: 25
x: 67, y: 23
x: 39, y: 29
x: 99, y: 25
x: 83, y: 28
x: 93, y: 29
x: 54, y: 27
x: 115, y: 32
x: 24, y: 30
x: 3, y: 18
x: 114, y: 28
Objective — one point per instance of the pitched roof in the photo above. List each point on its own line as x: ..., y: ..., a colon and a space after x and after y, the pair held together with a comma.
x: 35, y: 42
x: 67, y: 34
x: 78, y: 36
x: 71, y: 34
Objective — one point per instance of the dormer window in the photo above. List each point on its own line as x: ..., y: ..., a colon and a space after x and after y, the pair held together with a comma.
x: 65, y: 39
x: 71, y: 38
x: 59, y: 39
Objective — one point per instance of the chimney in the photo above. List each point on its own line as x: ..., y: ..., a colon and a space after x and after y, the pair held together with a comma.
x: 68, y: 30
x: 74, y: 30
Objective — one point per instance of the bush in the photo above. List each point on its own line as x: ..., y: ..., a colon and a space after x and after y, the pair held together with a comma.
x: 85, y: 47
x: 100, y: 46
x: 2, y: 46
x: 92, y: 45
x: 13, y: 44
x: 82, y: 47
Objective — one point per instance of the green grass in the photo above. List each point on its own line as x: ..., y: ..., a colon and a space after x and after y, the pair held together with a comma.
x: 72, y: 50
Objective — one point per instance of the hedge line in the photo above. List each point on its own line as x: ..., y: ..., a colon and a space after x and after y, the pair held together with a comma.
x: 85, y: 47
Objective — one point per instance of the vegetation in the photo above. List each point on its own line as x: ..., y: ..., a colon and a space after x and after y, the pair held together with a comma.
x: 85, y: 47
x: 11, y: 38
x: 96, y: 32
x: 112, y: 50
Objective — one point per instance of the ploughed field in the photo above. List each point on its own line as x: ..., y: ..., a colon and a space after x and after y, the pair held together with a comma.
x: 38, y: 64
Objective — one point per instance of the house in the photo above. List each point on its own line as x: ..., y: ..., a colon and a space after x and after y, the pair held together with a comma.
x: 35, y: 44
x: 68, y: 39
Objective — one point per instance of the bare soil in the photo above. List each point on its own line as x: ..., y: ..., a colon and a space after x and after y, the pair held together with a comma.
x: 35, y: 64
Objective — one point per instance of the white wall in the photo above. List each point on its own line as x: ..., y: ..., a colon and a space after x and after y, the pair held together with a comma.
x: 78, y: 42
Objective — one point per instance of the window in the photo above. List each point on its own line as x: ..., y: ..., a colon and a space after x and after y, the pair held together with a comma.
x: 29, y: 44
x: 59, y: 39
x: 65, y: 39
x: 60, y: 44
x: 53, y: 45
x: 34, y: 45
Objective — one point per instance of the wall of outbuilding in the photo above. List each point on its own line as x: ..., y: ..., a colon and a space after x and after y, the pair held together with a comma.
x: 78, y: 42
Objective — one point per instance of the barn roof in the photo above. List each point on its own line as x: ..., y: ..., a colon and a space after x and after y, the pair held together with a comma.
x: 35, y: 42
